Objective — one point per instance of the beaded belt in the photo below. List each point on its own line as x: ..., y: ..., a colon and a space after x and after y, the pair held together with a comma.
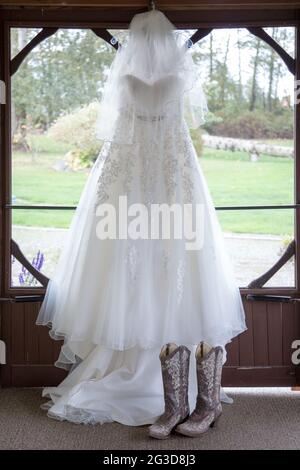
x: 150, y: 118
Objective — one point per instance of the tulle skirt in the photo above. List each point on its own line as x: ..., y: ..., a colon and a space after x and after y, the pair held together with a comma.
x: 115, y: 302
x: 123, y: 386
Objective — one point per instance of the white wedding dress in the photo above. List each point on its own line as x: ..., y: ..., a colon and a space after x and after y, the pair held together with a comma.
x: 115, y: 302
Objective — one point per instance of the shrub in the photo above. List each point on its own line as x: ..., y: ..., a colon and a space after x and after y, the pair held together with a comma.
x: 77, y: 130
x: 196, y: 135
x: 255, y: 125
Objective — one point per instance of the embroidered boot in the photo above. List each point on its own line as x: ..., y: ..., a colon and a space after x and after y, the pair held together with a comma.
x: 175, y: 362
x: 208, y: 406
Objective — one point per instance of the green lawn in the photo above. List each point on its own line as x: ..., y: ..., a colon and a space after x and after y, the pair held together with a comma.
x: 231, y: 177
x: 35, y: 184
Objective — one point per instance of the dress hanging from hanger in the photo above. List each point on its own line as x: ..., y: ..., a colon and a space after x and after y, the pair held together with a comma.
x: 115, y: 302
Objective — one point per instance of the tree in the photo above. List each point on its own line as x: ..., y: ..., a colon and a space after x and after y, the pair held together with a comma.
x: 256, y: 59
x: 63, y: 72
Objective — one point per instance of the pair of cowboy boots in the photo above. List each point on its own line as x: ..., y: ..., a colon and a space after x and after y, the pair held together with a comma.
x: 175, y: 362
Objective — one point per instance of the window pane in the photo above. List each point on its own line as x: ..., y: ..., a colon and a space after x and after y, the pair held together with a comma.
x: 20, y: 37
x: 40, y: 235
x: 233, y: 180
x: 55, y: 95
x: 246, y: 144
x: 255, y: 240
x: 250, y: 97
x: 284, y: 37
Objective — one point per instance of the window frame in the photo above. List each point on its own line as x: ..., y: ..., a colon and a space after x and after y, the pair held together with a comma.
x: 84, y: 19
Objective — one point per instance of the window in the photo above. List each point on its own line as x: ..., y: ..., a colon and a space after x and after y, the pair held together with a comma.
x: 248, y: 147
x: 56, y: 87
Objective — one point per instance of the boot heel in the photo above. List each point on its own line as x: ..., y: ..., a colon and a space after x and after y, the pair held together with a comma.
x: 184, y: 419
x: 180, y: 422
x: 215, y: 422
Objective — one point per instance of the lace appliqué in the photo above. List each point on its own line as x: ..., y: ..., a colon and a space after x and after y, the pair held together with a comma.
x: 178, y: 169
x: 171, y: 175
x: 174, y: 156
x: 148, y: 176
x: 132, y: 260
x: 117, y: 162
x: 180, y: 280
x: 109, y: 175
x: 165, y: 259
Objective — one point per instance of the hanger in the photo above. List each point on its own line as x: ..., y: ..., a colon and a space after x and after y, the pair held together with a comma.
x: 151, y: 5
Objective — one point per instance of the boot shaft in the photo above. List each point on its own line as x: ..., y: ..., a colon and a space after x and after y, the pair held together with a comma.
x: 209, y: 372
x: 218, y: 373
x: 175, y: 375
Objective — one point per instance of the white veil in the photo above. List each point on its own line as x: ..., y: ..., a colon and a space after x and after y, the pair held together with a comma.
x: 152, y: 79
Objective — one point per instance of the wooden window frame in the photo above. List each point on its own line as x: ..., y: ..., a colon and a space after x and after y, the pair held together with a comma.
x: 119, y: 19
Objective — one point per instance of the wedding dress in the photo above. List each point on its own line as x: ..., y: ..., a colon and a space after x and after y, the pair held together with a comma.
x: 115, y: 302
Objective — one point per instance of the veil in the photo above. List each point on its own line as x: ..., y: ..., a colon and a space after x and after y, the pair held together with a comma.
x: 152, y: 81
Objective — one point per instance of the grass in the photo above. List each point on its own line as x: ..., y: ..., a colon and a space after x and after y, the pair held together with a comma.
x: 241, y: 182
x: 36, y: 184
x: 235, y: 181
x: 232, y: 180
x: 43, y: 218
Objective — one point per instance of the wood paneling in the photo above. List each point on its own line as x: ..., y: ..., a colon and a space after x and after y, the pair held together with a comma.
x: 289, y: 329
x: 259, y: 357
x: 233, y: 356
x: 275, y: 341
x: 16, y: 320
x: 31, y: 352
x: 36, y: 375
x: 162, y: 4
x: 72, y: 17
x: 246, y: 345
x: 260, y: 334
x: 258, y: 377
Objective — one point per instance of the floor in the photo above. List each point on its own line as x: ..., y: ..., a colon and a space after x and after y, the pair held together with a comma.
x: 259, y: 418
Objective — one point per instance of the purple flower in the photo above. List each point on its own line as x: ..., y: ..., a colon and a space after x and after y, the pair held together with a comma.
x: 41, y: 262
x: 25, y: 277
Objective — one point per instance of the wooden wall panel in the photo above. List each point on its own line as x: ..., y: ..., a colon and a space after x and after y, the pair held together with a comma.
x: 260, y: 334
x: 260, y: 356
x: 275, y: 340
x: 5, y: 335
x: 17, y: 337
x: 31, y: 334
x: 246, y: 344
x: 232, y: 349
x: 289, y: 326
x: 31, y: 352
x: 46, y: 350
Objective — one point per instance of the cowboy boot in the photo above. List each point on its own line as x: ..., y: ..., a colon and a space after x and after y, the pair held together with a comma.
x: 208, y: 405
x: 175, y: 362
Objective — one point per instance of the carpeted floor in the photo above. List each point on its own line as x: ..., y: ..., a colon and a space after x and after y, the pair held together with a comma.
x: 258, y: 419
